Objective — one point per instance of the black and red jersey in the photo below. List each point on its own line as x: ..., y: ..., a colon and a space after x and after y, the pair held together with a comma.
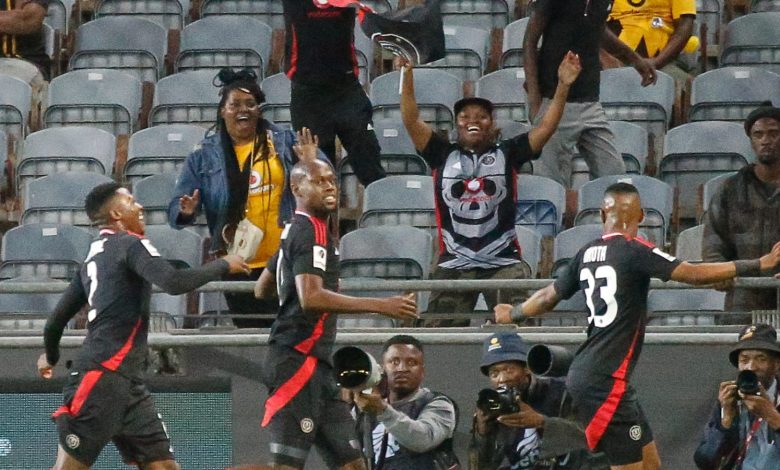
x: 614, y: 271
x: 306, y: 248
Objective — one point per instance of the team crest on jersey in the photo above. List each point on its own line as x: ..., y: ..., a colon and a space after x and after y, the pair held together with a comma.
x: 72, y: 441
x: 254, y: 180
x: 320, y: 256
x: 488, y: 160
x: 635, y: 432
x: 307, y: 425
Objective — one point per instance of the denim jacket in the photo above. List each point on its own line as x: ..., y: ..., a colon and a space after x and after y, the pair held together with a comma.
x: 205, y: 170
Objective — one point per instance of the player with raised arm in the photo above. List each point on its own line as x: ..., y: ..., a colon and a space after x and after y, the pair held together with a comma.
x: 105, y: 398
x: 615, y: 271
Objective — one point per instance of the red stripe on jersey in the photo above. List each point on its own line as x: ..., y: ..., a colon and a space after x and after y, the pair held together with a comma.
x: 607, y: 236
x: 289, y: 389
x: 115, y: 361
x: 307, y: 345
x: 437, y: 212
x: 82, y: 392
x: 293, y: 55
x: 320, y: 228
x: 514, y: 198
x: 644, y: 242
x: 598, y: 424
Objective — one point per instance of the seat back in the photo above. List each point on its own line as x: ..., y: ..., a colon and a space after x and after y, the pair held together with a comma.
x: 753, y: 40
x: 731, y: 93
x: 540, y: 204
x: 59, y: 198
x: 631, y: 142
x: 15, y: 104
x: 400, y: 200
x: 695, y: 306
x: 504, y: 88
x: 155, y: 193
x: 170, y: 14
x: 52, y: 251
x: 486, y: 14
x: 512, y: 46
x: 160, y: 149
x: 268, y: 11
x: 689, y: 244
x: 186, y: 98
x: 392, y: 252
x: 277, y: 89
x: 711, y: 188
x: 466, y: 51
x: 364, y: 54
x: 58, y: 14
x: 530, y: 242
x: 570, y: 241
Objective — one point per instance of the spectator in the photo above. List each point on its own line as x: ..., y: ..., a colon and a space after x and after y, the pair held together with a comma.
x: 743, y: 219
x: 580, y: 27
x: 411, y: 427
x: 744, y: 430
x: 535, y: 435
x: 475, y: 188
x: 326, y: 95
x: 658, y: 30
x: 217, y: 178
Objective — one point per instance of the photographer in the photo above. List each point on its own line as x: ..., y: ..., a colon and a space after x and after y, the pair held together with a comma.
x: 527, y: 432
x: 744, y: 430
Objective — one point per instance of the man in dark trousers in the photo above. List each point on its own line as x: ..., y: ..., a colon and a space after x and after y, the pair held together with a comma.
x: 615, y: 271
x: 304, y: 406
x: 326, y: 94
x: 105, y: 397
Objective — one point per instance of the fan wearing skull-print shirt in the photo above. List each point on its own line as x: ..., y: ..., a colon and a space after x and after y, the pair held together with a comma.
x: 475, y: 189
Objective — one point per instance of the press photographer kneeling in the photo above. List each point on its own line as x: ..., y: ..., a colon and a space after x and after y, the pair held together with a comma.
x: 520, y: 422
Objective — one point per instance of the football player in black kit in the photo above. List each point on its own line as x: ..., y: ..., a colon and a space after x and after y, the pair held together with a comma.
x: 105, y: 398
x: 303, y: 407
x: 615, y: 271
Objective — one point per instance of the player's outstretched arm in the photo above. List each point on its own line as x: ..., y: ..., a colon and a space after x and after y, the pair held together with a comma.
x: 708, y: 273
x: 315, y: 298
x: 542, y: 301
x: 69, y: 305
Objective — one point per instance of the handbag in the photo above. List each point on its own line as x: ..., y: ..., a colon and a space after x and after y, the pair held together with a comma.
x: 246, y: 240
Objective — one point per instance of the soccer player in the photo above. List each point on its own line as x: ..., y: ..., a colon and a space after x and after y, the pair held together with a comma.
x: 303, y: 407
x: 105, y: 397
x: 615, y: 271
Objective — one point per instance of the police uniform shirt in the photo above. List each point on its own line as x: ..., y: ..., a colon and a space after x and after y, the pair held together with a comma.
x: 306, y: 249
x: 614, y: 271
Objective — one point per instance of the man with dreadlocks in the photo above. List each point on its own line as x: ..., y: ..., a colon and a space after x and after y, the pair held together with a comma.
x: 242, y: 170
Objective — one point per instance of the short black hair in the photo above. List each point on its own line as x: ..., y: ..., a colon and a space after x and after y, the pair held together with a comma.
x: 764, y: 110
x: 97, y: 199
x: 402, y: 339
x: 621, y: 188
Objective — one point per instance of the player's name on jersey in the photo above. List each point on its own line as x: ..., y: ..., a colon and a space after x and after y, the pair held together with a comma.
x: 595, y: 254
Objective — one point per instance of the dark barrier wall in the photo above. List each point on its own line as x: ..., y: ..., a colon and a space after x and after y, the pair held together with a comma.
x: 677, y: 385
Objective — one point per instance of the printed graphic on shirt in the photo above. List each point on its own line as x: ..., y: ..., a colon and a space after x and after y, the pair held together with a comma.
x: 376, y: 437
x: 526, y: 451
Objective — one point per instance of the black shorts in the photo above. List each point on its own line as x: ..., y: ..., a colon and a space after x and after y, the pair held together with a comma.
x: 609, y: 410
x: 105, y: 406
x: 303, y: 409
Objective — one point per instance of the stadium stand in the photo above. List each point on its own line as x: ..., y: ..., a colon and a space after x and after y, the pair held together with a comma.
x: 504, y: 88
x: 59, y: 198
x: 267, y: 11
x: 685, y: 306
x: 731, y: 93
x: 568, y: 243
x: 630, y: 140
x: 541, y: 203
x: 43, y: 251
x: 487, y: 14
x: 512, y: 46
x: 466, y: 52
x: 530, y: 242
x: 277, y: 99
x: 405, y: 200
x: 710, y: 188
x: 58, y: 14
x: 753, y: 40
x: 389, y: 252
x: 186, y: 98
x: 689, y: 243
x: 15, y: 96
x: 759, y: 6
x: 160, y: 149
x: 170, y: 14
x: 367, y: 320
x: 364, y: 53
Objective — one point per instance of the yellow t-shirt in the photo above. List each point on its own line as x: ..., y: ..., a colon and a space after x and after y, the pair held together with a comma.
x: 635, y: 19
x: 265, y: 196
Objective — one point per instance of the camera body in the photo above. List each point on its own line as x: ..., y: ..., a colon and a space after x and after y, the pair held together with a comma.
x: 748, y: 383
x: 498, y: 402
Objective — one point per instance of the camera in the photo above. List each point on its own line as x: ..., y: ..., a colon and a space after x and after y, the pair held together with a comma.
x: 747, y: 383
x: 549, y: 361
x: 498, y: 402
x: 356, y: 369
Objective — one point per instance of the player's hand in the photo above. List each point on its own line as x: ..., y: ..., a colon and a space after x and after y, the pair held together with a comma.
x: 527, y: 417
x: 727, y: 396
x: 45, y: 369
x: 646, y: 70
x: 503, y: 313
x: 371, y: 403
x: 188, y: 204
x: 771, y: 259
x: 400, y: 307
x: 305, y: 147
x: 236, y: 264
x: 569, y: 69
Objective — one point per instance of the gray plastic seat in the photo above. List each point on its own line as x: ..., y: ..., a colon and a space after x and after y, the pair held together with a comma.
x: 59, y: 198
x: 657, y: 201
x: 631, y: 142
x: 133, y: 45
x: 400, y: 200
x: 466, y: 50
x: 436, y: 92
x: 511, y: 129
x: 390, y: 252
x: 753, y: 40
x: 570, y: 241
x: 160, y: 149
x: 3, y: 159
x: 170, y: 14
x: 105, y: 99
x: 364, y: 54
x: 58, y: 13
x: 51, y: 251
x: 268, y: 11
x: 711, y: 188
x: 696, y: 152
x: 155, y: 193
x: 530, y: 242
x: 689, y: 244
x: 186, y: 98
x: 708, y: 12
x: 485, y: 14
x: 277, y: 99
x: 60, y: 149
x: 15, y: 104
x: 368, y: 320
x: 691, y: 306
x: 512, y: 46
x: 25, y: 311
x: 204, y: 44
x: 393, y: 138
x: 760, y: 6
x: 731, y: 93
x: 504, y: 88
x: 540, y: 204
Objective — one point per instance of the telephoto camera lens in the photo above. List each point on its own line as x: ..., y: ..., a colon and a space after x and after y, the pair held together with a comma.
x: 747, y: 383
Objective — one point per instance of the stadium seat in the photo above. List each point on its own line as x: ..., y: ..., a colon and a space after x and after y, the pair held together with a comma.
x: 160, y: 149
x: 393, y: 139
x: 105, y: 99
x: 760, y: 6
x: 400, y: 200
x: 268, y: 11
x: 56, y: 150
x: 132, y: 45
x: 512, y: 46
x: 753, y: 40
x: 15, y: 104
x: 631, y: 142
x: 711, y: 188
x: 466, y: 52
x: 689, y: 243
x: 58, y: 14
x: 155, y: 193
x: 540, y: 204
x: 436, y: 92
x: 25, y: 311
x: 689, y: 306
x: 50, y: 251
x: 388, y: 252
x: 657, y: 200
x: 530, y: 246
x: 204, y: 44
x: 367, y: 320
x: 59, y: 198
x: 504, y: 88
x: 569, y: 242
x: 277, y: 99
x: 486, y: 14
x: 186, y: 98
x: 364, y: 53
x: 708, y: 12
x: 3, y: 158
x: 511, y: 129
x: 170, y: 14
x: 731, y: 93
x: 698, y: 151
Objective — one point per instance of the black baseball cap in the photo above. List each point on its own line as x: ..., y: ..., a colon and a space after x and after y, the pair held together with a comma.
x: 462, y: 103
x: 765, y: 110
x: 760, y: 336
